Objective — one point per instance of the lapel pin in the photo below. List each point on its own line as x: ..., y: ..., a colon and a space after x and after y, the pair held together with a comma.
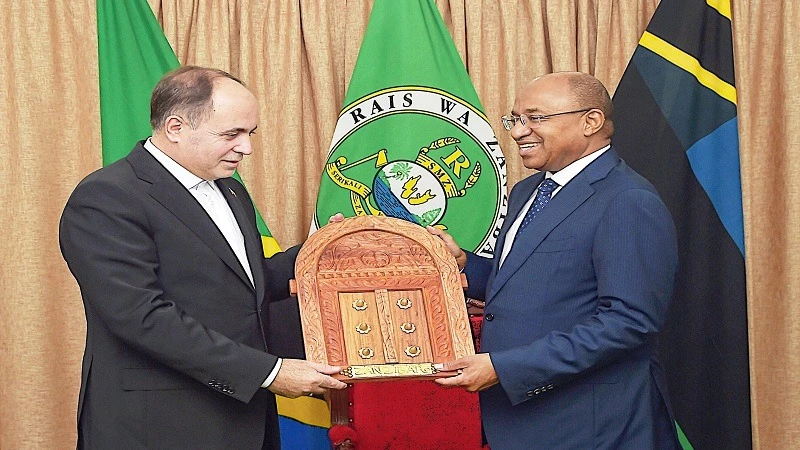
x: 232, y: 193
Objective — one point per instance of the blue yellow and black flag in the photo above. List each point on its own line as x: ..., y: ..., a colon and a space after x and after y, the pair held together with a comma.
x: 676, y: 125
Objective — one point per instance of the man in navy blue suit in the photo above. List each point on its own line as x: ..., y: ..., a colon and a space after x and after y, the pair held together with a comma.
x: 577, y: 289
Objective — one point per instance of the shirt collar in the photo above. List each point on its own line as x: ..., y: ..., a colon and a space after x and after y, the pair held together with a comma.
x: 563, y: 176
x: 186, y: 178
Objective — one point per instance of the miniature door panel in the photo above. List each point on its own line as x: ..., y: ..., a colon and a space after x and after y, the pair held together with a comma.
x: 390, y: 327
x: 381, y: 297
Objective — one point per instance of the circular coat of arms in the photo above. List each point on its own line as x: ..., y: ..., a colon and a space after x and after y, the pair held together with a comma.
x: 419, y: 154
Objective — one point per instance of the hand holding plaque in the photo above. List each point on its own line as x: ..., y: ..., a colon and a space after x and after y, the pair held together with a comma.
x: 298, y: 377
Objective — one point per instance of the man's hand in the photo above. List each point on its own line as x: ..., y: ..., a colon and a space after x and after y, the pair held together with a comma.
x: 475, y: 372
x: 336, y: 218
x: 455, y: 250
x: 298, y: 377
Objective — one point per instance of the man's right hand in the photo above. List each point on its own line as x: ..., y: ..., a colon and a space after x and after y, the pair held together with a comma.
x: 455, y: 250
x: 298, y: 377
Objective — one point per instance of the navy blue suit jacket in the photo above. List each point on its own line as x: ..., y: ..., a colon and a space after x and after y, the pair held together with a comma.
x: 572, y: 316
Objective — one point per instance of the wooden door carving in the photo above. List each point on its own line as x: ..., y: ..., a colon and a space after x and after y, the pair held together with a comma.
x: 382, y: 298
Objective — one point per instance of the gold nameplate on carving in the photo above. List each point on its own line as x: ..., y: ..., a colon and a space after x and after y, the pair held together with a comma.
x: 389, y: 371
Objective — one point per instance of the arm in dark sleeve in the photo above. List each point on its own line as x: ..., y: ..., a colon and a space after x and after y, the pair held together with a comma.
x: 281, y: 312
x: 477, y: 270
x: 278, y: 270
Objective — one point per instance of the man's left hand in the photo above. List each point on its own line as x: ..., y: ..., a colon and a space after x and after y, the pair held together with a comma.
x: 475, y: 372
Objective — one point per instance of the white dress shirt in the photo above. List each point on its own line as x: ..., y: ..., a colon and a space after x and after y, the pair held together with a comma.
x: 562, y: 177
x: 213, y: 202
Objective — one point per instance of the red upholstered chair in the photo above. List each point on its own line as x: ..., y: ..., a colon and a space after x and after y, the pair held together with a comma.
x: 408, y: 414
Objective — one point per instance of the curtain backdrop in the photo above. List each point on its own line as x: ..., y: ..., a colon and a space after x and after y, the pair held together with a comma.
x: 297, y: 57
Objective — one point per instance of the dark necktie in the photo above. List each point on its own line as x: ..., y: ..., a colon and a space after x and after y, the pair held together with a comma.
x: 542, y: 197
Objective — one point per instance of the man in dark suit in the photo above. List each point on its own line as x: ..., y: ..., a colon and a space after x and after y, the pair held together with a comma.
x: 165, y: 248
x: 577, y: 289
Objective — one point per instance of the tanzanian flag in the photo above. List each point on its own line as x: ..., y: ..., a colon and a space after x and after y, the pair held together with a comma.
x: 675, y: 120
x: 133, y: 54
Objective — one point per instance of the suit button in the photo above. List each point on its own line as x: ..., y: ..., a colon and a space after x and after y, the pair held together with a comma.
x: 549, y: 387
x: 489, y: 317
x: 529, y: 393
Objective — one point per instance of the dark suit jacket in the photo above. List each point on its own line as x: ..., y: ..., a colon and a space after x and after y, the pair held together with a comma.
x: 572, y: 316
x: 175, y: 347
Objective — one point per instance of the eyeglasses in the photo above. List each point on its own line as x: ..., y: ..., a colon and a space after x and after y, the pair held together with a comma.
x: 511, y: 120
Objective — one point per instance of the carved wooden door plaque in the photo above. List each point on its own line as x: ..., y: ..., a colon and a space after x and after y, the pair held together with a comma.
x: 382, y: 298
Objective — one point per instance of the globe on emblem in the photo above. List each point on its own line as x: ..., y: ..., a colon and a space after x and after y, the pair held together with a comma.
x: 409, y: 191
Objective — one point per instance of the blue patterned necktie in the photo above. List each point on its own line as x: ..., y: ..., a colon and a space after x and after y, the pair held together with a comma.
x: 542, y: 197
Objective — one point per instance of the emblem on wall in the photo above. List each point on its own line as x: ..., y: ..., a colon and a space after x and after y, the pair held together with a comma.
x: 418, y: 154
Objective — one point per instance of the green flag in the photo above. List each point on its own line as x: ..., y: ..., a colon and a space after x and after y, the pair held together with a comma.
x: 133, y: 54
x: 412, y: 140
